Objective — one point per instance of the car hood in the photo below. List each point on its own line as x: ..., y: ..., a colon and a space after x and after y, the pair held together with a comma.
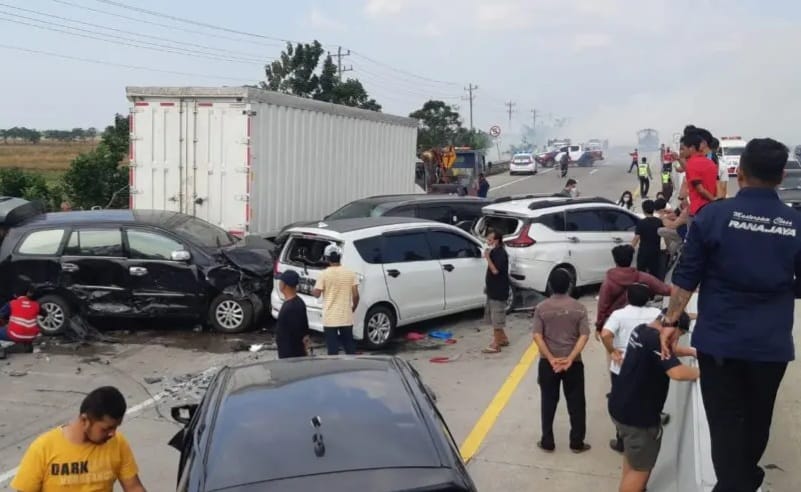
x: 790, y: 195
x: 252, y: 255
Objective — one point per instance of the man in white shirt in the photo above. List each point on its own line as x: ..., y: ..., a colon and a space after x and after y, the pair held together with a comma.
x: 618, y: 328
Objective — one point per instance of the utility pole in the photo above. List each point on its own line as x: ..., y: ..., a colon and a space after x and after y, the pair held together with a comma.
x: 534, y: 126
x: 510, y: 105
x: 339, y: 57
x: 470, y: 88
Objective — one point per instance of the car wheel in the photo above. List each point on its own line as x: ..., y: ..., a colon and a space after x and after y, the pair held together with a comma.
x: 510, y: 301
x: 228, y: 314
x: 55, y: 317
x: 379, y: 326
x: 572, y: 291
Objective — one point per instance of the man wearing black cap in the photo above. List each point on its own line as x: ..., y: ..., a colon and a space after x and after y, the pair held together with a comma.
x: 290, y: 332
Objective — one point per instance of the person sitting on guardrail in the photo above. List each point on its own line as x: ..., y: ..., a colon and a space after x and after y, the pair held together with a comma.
x: 638, y: 396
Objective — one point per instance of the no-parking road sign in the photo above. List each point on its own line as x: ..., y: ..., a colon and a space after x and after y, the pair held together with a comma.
x: 495, y: 131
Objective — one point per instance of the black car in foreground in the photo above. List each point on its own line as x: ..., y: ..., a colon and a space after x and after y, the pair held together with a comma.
x: 139, y: 264
x: 320, y: 423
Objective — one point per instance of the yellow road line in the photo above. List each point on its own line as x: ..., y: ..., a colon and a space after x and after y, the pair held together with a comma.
x: 487, y: 421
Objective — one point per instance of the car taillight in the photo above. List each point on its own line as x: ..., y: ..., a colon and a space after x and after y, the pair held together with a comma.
x: 521, y: 241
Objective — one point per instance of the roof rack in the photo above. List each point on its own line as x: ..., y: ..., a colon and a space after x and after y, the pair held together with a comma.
x: 569, y: 201
x: 510, y: 198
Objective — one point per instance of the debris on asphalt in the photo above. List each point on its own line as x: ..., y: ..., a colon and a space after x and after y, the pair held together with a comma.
x: 18, y: 374
x: 153, y: 379
x: 414, y: 336
x: 444, y: 360
x: 256, y: 347
x: 441, y: 335
x: 239, y: 346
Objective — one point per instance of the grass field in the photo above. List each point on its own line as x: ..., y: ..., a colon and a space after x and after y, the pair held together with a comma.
x: 49, y: 158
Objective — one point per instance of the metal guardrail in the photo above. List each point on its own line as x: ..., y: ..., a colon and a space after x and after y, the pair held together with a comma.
x: 498, y: 167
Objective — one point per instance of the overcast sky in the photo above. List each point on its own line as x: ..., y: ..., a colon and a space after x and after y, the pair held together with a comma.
x: 609, y: 66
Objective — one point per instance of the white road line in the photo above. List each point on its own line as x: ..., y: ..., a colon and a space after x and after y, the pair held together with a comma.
x: 519, y: 180
x: 8, y: 475
x: 594, y: 171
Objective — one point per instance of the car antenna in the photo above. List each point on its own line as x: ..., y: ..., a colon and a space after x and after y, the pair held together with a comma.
x: 319, y: 445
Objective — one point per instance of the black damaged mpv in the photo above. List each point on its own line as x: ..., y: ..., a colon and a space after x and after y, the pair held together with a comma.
x: 134, y: 264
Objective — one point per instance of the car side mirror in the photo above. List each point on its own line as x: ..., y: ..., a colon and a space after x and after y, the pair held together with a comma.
x: 183, y: 414
x: 181, y: 255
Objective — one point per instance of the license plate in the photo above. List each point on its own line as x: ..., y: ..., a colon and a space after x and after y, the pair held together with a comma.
x: 305, y: 285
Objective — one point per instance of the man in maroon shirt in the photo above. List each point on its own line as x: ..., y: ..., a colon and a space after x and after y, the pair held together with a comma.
x: 702, y: 173
x: 613, y: 290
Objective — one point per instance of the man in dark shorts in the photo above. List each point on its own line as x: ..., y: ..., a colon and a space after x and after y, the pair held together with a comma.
x: 646, y: 236
x: 293, y: 323
x: 638, y: 396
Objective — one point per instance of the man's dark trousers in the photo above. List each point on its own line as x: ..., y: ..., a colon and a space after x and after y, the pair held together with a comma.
x: 739, y: 396
x: 572, y: 381
x: 650, y: 262
x: 645, y: 185
x: 633, y: 165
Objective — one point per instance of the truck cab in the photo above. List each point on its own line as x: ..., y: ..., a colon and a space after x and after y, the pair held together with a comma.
x: 731, y: 148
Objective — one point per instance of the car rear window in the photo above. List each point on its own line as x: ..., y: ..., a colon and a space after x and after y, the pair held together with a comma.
x: 504, y: 225
x: 369, y: 249
x: 306, y: 251
x: 356, y: 210
x: 42, y: 242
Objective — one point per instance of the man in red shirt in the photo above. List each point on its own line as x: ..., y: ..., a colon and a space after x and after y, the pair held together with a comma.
x: 701, y: 172
x: 635, y: 159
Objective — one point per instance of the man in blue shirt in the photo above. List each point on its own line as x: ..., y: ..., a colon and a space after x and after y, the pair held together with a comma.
x: 745, y: 252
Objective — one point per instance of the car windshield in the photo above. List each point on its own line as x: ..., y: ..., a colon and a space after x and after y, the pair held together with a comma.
x: 733, y: 151
x: 465, y: 161
x: 202, y: 233
x: 356, y: 210
x: 791, y: 182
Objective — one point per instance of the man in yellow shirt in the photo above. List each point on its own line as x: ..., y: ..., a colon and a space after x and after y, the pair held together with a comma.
x: 86, y: 455
x: 339, y: 288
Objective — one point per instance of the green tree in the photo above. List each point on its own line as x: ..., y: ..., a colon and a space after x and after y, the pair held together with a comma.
x: 296, y: 72
x: 97, y: 177
x: 440, y: 124
x: 26, y: 184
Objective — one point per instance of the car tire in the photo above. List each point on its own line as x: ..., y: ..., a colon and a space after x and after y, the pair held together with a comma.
x: 57, y: 315
x: 573, y: 291
x: 379, y: 327
x: 510, y: 301
x: 228, y: 314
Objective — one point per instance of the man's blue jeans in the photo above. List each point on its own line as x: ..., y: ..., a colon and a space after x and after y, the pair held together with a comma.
x: 334, y: 335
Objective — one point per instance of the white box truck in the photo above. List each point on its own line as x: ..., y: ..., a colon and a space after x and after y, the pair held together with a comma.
x: 252, y: 161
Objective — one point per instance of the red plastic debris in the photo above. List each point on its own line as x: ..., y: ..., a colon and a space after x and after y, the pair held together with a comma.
x: 413, y: 336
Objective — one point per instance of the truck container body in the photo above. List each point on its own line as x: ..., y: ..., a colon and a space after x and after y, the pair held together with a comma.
x: 252, y: 161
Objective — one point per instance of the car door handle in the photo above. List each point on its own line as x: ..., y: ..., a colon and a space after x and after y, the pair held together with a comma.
x: 69, y: 267
x: 573, y: 239
x: 393, y: 273
x: 617, y: 239
x: 138, y: 271
x: 448, y: 267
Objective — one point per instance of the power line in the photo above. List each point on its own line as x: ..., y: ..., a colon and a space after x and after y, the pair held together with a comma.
x: 339, y: 56
x: 166, y: 26
x: 193, y: 22
x: 113, y: 64
x: 245, y: 33
x: 253, y: 56
x: 128, y: 42
x: 405, y: 86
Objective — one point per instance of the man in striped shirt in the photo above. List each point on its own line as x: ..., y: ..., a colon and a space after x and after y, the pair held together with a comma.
x: 339, y: 288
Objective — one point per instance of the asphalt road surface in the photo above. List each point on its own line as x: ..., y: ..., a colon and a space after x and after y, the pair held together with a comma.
x: 491, y: 402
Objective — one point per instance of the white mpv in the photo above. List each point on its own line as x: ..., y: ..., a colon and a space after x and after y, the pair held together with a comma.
x: 409, y: 270
x: 543, y: 234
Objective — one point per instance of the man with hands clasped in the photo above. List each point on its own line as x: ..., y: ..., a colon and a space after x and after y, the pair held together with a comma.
x: 561, y: 330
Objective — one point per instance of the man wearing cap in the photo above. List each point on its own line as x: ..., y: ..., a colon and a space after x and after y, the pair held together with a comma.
x: 339, y: 288
x: 293, y: 323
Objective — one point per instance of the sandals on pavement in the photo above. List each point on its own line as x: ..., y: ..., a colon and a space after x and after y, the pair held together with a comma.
x: 491, y: 350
